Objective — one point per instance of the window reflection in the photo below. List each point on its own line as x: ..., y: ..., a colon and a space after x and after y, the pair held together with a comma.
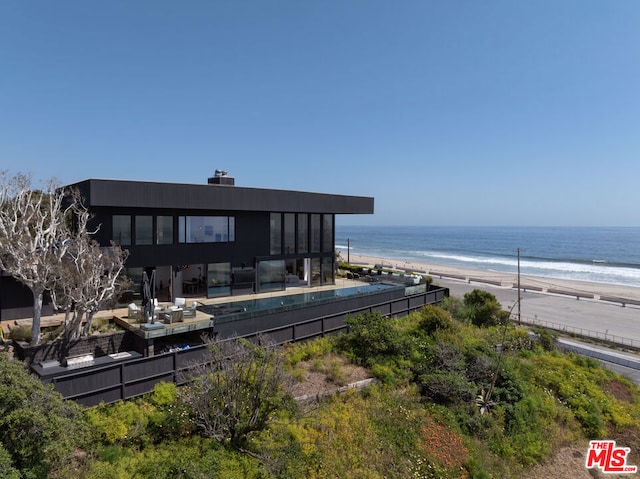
x: 144, y: 230
x: 121, y: 229
x: 218, y: 279
x: 164, y: 230
x: 206, y: 229
x: 271, y: 275
x: 275, y: 233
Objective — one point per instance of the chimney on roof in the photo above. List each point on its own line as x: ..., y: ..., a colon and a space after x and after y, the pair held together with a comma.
x: 220, y: 178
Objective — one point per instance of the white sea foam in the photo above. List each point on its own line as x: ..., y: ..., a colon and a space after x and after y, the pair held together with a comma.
x: 604, y: 255
x: 594, y: 272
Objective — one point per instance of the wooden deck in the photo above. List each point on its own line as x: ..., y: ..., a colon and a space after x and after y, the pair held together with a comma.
x: 119, y: 315
x: 161, y: 328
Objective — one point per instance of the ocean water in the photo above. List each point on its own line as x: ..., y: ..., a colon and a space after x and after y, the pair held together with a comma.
x: 602, y: 255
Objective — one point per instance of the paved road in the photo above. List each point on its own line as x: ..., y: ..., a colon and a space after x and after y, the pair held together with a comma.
x: 590, y: 317
x: 593, y: 318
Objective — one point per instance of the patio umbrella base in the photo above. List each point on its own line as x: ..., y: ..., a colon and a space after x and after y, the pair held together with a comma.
x: 149, y: 326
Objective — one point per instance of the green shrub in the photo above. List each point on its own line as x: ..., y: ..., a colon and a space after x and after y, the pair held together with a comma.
x: 306, y: 350
x: 482, y: 426
x: 353, y: 268
x: 123, y: 423
x: 385, y: 373
x: 38, y: 428
x: 7, y: 471
x: 509, y: 387
x: 318, y: 366
x: 575, y: 381
x: 546, y: 339
x: 479, y: 365
x: 435, y: 319
x: 529, y: 425
x: 164, y: 394
x: 298, y: 374
x: 21, y: 333
x: 99, y: 322
x: 191, y: 458
x: 112, y: 454
x: 517, y: 339
x: 447, y: 387
x: 454, y: 306
x: 336, y: 374
x: 370, y: 336
x: 232, y: 400
x: 482, y: 308
x: 52, y: 334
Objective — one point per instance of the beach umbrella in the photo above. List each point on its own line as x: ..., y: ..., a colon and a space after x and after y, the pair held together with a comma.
x: 148, y: 295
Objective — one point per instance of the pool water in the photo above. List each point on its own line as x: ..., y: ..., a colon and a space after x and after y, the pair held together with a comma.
x: 284, y: 301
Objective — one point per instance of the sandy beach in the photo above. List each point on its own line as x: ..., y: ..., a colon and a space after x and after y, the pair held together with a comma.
x: 585, y: 289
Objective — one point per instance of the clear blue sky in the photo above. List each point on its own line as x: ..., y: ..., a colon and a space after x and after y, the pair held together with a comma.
x: 492, y: 112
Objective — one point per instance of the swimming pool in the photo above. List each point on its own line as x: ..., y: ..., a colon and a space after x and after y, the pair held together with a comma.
x: 229, y: 311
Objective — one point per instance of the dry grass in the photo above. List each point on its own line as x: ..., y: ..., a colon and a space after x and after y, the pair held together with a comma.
x: 325, y: 375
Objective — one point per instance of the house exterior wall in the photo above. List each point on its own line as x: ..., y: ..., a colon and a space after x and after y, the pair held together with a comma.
x: 16, y: 300
x: 252, y: 239
x: 250, y: 207
x: 251, y: 210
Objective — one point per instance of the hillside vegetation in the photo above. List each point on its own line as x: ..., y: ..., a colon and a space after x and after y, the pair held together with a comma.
x: 461, y: 392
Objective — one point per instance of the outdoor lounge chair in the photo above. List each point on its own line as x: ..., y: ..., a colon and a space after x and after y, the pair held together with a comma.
x: 190, y: 312
x: 156, y: 306
x: 135, y: 312
x: 172, y: 314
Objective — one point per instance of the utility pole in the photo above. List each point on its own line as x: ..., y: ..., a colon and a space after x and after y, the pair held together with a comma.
x: 519, y: 286
x: 348, y: 251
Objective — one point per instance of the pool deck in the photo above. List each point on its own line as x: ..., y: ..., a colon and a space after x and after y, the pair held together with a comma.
x: 200, y: 321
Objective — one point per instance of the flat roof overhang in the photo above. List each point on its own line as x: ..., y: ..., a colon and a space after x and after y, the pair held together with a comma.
x: 144, y: 194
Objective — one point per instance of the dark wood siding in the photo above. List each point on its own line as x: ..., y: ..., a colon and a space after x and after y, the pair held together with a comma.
x: 139, y: 194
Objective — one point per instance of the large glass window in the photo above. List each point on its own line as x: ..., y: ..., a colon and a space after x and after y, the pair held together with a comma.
x: 144, y: 230
x: 315, y: 233
x: 316, y: 277
x: 232, y: 228
x: 121, y: 228
x: 164, y: 230
x: 327, y: 271
x: 182, y: 229
x: 206, y: 229
x: 218, y: 279
x: 289, y: 233
x: 303, y: 233
x: 135, y: 289
x: 275, y: 235
x: 271, y: 276
x: 327, y: 233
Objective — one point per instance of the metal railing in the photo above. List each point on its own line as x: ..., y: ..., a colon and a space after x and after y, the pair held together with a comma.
x: 587, y: 333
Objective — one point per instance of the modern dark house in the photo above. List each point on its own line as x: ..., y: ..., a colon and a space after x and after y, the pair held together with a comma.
x: 212, y: 239
x: 215, y: 240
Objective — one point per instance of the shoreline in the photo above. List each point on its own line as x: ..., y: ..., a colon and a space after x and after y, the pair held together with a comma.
x: 585, y: 289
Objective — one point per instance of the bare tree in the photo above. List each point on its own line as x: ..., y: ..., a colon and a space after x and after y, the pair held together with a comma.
x: 99, y: 270
x: 89, y: 275
x: 34, y: 236
x: 237, y: 390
